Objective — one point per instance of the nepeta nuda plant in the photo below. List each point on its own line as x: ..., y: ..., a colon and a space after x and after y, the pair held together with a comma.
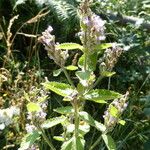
x: 75, y: 121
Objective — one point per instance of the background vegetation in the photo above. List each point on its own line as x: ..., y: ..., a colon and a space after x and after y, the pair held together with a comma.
x: 24, y: 63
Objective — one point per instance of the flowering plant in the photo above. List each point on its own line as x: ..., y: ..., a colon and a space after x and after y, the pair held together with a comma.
x: 75, y: 121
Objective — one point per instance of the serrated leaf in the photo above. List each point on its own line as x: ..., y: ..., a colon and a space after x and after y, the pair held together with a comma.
x: 71, y: 67
x: 57, y: 72
x: 59, y: 88
x: 109, y: 142
x: 101, y: 95
x: 29, y: 139
x: 70, y: 46
x: 33, y: 107
x: 107, y: 73
x: 64, y: 110
x: 52, y: 122
x: 88, y: 118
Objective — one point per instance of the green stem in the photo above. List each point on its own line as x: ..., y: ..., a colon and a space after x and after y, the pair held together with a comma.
x: 76, y: 114
x: 85, y: 61
x: 97, y: 82
x: 68, y: 77
x: 46, y: 138
x: 96, y: 143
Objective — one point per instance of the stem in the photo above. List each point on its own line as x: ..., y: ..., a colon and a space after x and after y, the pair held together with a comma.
x: 85, y: 61
x: 96, y: 143
x: 76, y: 114
x: 109, y: 81
x: 46, y: 138
x: 97, y: 82
x: 68, y: 77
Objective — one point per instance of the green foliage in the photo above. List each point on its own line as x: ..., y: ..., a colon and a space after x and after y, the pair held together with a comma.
x: 109, y: 142
x: 59, y: 88
x: 101, y: 95
x: 87, y: 118
x: 52, y: 122
x: 29, y: 140
x: 70, y: 46
x: 33, y: 107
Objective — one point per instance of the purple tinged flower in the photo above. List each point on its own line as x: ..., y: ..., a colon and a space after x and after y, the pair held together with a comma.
x: 50, y: 29
x: 30, y: 128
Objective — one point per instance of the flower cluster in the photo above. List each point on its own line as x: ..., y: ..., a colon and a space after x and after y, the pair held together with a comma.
x: 111, y: 56
x: 52, y: 48
x: 92, y: 27
x: 114, y: 111
x: 6, y: 116
x: 37, y: 96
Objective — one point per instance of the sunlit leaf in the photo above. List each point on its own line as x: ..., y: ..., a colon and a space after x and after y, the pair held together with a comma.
x: 122, y: 122
x: 70, y: 46
x: 64, y: 110
x: 109, y: 142
x: 29, y: 140
x: 52, y: 122
x: 107, y: 73
x: 101, y: 95
x: 113, y: 111
x: 91, y: 62
x: 71, y: 67
x: 57, y: 72
x: 33, y: 107
x: 67, y: 145
x: 102, y: 46
x: 58, y: 138
x: 59, y: 88
x: 88, y: 118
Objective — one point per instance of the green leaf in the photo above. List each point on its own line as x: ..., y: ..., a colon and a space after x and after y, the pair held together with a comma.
x: 70, y: 46
x: 113, y: 111
x: 109, y: 142
x: 71, y: 67
x: 57, y: 72
x: 101, y: 95
x: 29, y: 139
x: 88, y: 118
x: 91, y: 61
x: 78, y: 144
x: 59, y: 88
x: 33, y: 107
x: 82, y: 75
x: 64, y: 110
x: 58, y: 138
x: 67, y: 145
x: 107, y: 73
x: 53, y: 122
x: 122, y: 122
x: 103, y: 46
